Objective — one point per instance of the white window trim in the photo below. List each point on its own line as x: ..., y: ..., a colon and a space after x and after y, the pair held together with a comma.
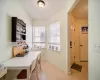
x: 54, y: 43
x: 33, y: 36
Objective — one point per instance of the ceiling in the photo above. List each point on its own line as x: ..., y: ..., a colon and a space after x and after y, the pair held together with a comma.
x: 81, y: 9
x: 51, y: 7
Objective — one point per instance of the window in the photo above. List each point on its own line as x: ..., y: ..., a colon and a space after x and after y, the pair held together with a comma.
x: 39, y: 37
x: 54, y: 36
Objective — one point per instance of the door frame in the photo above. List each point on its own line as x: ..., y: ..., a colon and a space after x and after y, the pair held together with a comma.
x: 69, y: 55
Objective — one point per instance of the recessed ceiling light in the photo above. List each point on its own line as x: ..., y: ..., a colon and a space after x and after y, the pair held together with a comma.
x: 41, y: 3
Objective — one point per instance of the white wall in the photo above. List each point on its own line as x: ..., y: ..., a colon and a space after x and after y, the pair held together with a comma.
x: 8, y: 9
x: 94, y: 39
x: 40, y: 22
x: 60, y: 59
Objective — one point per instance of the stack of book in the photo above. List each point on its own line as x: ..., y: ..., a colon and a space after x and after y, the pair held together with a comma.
x: 3, y: 70
x: 2, y: 67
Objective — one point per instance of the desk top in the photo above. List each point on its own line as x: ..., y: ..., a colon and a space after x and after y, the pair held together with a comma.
x: 22, y: 62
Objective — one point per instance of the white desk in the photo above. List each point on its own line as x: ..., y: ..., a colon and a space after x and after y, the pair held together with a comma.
x: 19, y: 63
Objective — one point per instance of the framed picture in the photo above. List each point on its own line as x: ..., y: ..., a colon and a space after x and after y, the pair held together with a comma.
x: 84, y: 30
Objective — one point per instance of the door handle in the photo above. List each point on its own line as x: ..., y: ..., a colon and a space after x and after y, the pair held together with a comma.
x: 70, y: 47
x: 81, y: 45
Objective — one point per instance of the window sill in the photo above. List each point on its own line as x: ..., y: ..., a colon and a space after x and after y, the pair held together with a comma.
x: 36, y: 49
x: 54, y: 51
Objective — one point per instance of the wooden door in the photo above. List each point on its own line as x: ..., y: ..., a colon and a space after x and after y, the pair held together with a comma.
x: 84, y: 46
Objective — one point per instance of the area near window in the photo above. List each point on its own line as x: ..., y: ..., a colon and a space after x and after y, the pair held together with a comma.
x: 38, y: 37
x: 54, y: 36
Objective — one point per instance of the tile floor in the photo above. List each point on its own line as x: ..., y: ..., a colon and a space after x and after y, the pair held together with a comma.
x: 51, y: 72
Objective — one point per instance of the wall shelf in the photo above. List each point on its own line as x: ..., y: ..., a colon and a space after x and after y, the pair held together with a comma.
x: 18, y: 30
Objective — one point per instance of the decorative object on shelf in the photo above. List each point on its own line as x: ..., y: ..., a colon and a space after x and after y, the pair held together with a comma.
x: 18, y: 30
x: 41, y: 3
x: 54, y: 47
x: 84, y: 30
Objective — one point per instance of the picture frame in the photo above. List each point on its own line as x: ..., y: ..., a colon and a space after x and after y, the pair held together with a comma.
x: 84, y: 29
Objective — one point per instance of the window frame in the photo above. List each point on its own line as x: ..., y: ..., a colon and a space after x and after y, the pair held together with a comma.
x: 54, y: 43
x: 34, y: 36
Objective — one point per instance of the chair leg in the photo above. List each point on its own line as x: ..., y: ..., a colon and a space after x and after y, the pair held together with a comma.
x: 37, y: 69
x: 39, y: 62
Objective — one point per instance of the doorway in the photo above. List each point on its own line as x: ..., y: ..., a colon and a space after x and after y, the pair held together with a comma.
x: 78, y: 34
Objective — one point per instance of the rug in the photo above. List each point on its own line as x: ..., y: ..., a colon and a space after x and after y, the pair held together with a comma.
x: 76, y: 67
